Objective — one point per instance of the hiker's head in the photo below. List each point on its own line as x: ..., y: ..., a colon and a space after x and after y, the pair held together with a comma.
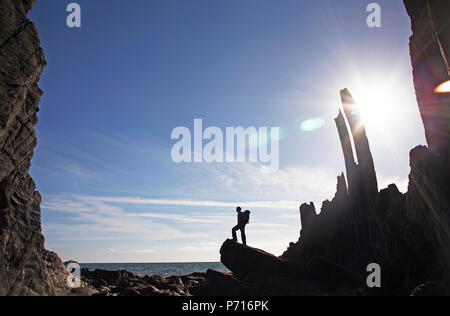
x: 238, y: 209
x: 247, y: 212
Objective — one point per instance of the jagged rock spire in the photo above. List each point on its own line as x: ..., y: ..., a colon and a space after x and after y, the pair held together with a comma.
x: 350, y: 164
x: 307, y: 216
x: 362, y: 179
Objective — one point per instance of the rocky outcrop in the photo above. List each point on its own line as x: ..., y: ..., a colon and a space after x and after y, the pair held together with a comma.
x: 428, y: 211
x: 428, y: 197
x: 243, y: 260
x: 362, y: 176
x: 406, y: 234
x: 26, y: 268
x: 330, y: 234
x: 430, y: 56
x: 430, y: 59
x: 307, y: 217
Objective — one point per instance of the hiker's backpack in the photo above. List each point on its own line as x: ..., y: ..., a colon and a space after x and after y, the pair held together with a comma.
x: 246, y: 217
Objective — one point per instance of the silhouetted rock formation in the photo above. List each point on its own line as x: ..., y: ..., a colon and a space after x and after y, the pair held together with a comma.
x: 428, y: 209
x: 430, y: 55
x: 243, y: 260
x: 26, y: 268
x: 307, y: 216
x: 407, y: 235
x: 428, y: 198
x: 364, y: 173
x: 349, y: 158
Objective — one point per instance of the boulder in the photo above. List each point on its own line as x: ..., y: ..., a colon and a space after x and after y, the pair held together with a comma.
x: 152, y: 291
x: 242, y: 260
x: 217, y: 276
x: 429, y: 289
x: 331, y: 274
x: 100, y: 277
x: 130, y: 292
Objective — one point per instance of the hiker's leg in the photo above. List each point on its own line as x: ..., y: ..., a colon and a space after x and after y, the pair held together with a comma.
x: 244, y: 238
x: 234, y: 232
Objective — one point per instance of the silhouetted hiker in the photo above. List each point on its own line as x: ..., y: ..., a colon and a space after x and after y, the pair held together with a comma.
x: 243, y: 219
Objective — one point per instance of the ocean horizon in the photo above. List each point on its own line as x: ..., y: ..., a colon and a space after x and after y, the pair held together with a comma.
x: 164, y: 268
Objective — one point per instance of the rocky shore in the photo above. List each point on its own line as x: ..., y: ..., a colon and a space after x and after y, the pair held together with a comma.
x: 321, y: 278
x: 211, y: 283
x: 124, y: 283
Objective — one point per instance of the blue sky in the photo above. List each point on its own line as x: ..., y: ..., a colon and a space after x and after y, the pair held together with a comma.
x: 116, y: 88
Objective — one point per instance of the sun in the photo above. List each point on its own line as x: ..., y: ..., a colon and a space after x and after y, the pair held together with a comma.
x: 377, y: 105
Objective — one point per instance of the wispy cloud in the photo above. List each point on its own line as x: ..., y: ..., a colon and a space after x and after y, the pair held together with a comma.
x: 196, y: 203
x: 96, y: 220
x: 245, y: 181
x: 95, y: 227
x: 124, y: 228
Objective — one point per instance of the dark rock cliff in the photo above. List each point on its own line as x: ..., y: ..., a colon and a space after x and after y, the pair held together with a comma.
x: 430, y: 56
x: 428, y: 197
x: 26, y: 268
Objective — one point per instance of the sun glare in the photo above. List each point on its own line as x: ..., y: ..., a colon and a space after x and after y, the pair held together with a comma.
x: 377, y: 107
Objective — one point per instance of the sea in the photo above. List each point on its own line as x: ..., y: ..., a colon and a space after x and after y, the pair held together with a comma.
x: 164, y: 269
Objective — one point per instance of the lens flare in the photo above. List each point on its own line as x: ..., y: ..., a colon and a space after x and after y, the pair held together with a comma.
x: 443, y: 87
x: 312, y: 124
